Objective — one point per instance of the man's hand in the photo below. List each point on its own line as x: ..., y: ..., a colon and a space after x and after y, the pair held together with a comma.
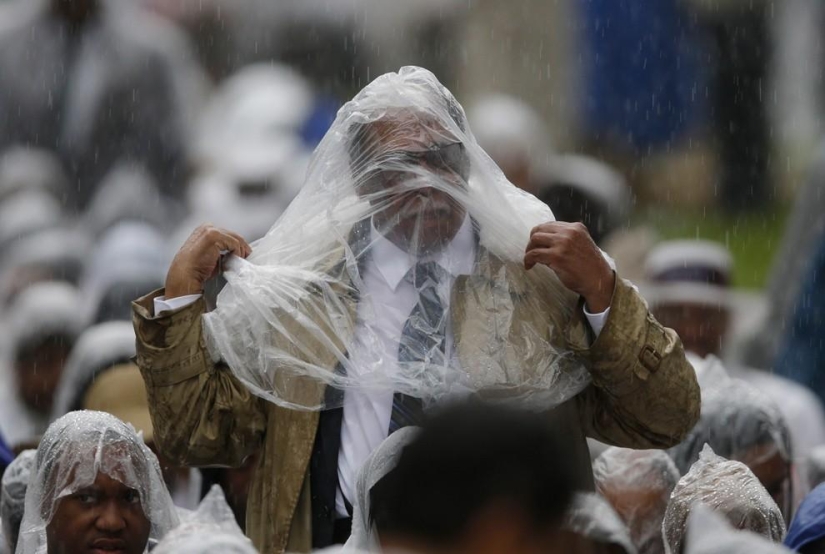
x: 198, y: 260
x: 568, y: 250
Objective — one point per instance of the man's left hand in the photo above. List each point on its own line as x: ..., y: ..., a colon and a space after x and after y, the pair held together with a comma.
x: 568, y: 250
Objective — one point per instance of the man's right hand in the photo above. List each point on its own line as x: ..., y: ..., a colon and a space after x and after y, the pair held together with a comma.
x: 198, y: 260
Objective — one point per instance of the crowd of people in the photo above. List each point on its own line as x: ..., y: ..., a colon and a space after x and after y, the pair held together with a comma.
x: 238, y: 319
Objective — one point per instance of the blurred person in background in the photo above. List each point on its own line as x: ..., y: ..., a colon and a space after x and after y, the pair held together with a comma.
x: 598, y: 527
x: 586, y: 190
x: 100, y: 376
x: 102, y: 83
x: 13, y: 496
x: 515, y: 136
x: 513, y: 500
x: 741, y: 50
x: 41, y: 328
x: 129, y: 260
x: 26, y: 169
x: 577, y: 188
x: 94, y: 487
x: 728, y: 488
x: 689, y: 288
x: 638, y: 483
x: 806, y: 533
x: 791, y: 268
x: 740, y: 423
x: 801, y: 353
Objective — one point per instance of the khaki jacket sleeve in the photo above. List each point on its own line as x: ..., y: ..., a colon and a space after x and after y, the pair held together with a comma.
x: 644, y: 392
x: 201, y: 414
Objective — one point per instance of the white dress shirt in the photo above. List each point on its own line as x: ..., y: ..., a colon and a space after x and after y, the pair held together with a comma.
x: 386, y: 302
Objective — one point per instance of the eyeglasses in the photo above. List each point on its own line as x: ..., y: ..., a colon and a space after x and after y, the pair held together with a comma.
x: 449, y: 158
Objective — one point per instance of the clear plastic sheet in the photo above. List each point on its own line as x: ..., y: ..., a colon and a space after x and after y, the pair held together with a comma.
x: 709, y: 533
x: 380, y: 462
x: 638, y: 483
x: 210, y: 528
x: 398, y: 181
x: 12, y: 500
x: 98, y: 348
x: 74, y: 450
x: 593, y: 517
x: 739, y: 423
x: 727, y: 487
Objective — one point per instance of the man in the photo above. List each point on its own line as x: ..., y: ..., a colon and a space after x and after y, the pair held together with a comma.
x: 94, y: 487
x: 397, y: 277
x: 103, y: 84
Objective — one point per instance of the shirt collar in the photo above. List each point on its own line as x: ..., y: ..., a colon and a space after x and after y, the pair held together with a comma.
x: 393, y: 263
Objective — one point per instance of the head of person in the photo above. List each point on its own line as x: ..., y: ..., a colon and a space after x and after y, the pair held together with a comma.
x: 638, y: 483
x: 13, y: 496
x: 477, y: 478
x: 44, y: 322
x: 688, y: 292
x: 740, y: 423
x: 597, y: 526
x: 95, y: 487
x: 586, y: 190
x: 807, y: 530
x: 209, y: 529
x: 728, y: 488
x: 409, y: 161
x: 515, y: 136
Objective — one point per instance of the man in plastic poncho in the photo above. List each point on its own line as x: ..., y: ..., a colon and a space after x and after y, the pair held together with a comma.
x: 401, y: 153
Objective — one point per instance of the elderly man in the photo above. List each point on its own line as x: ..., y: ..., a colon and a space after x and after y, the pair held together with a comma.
x: 398, y: 277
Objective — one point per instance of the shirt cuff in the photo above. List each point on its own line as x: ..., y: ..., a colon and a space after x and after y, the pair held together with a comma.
x: 596, y: 321
x: 163, y: 304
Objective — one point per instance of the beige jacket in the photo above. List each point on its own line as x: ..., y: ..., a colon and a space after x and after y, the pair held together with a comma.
x: 643, y: 394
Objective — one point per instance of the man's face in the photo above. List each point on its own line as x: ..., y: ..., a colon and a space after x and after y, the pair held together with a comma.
x: 38, y: 368
x: 416, y: 170
x: 102, y: 518
x: 702, y: 328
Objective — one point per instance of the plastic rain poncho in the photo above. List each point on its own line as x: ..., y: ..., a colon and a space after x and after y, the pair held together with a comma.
x: 41, y: 310
x: 638, y: 484
x: 709, y: 533
x: 99, y: 348
x: 592, y: 516
x: 74, y: 450
x: 13, y: 496
x: 808, y: 524
x: 379, y: 463
x: 727, y: 487
x: 209, y: 529
x: 130, y: 260
x: 399, y: 173
x: 739, y: 423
